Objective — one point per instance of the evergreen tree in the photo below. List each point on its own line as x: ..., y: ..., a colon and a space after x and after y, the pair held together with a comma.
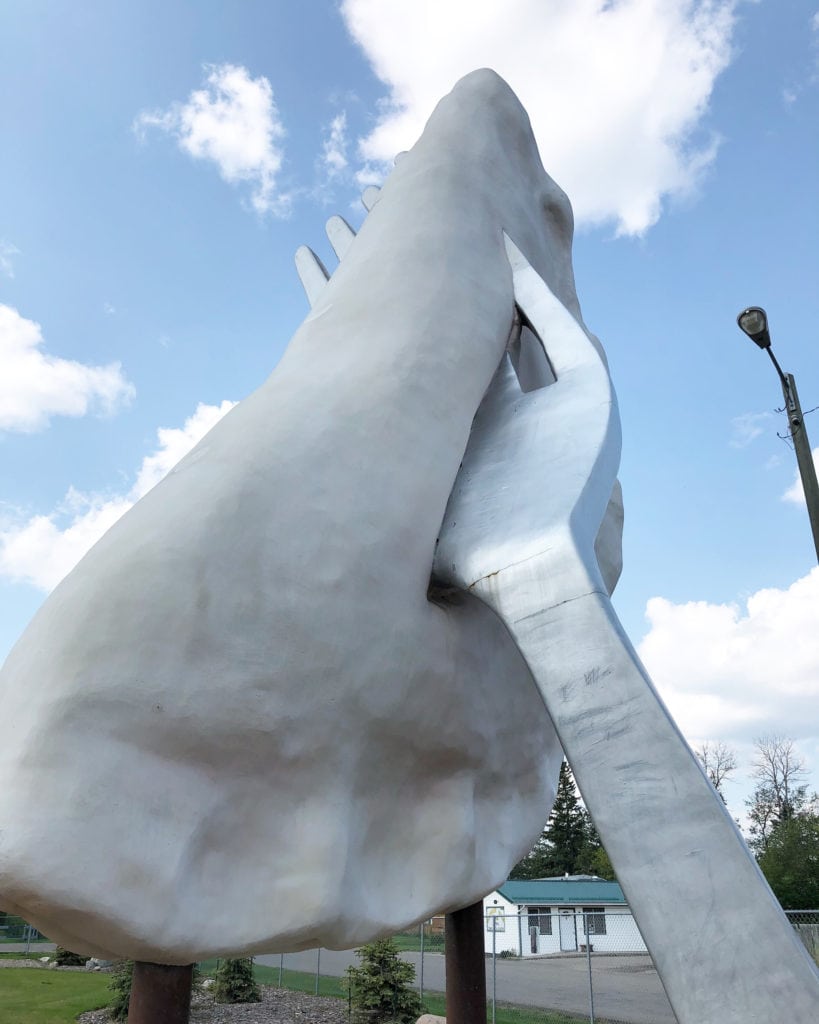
x: 379, y: 988
x: 569, y: 844
x: 120, y: 988
x: 593, y: 859
x: 65, y: 958
x: 566, y: 829
x: 235, y: 982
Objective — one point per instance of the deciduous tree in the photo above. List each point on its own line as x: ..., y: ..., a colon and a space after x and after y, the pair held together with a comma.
x: 719, y: 762
x: 790, y: 862
x: 781, y: 791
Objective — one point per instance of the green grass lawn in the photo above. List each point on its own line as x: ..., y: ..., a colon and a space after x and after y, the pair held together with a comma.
x: 412, y: 943
x: 504, y: 1014
x: 29, y: 996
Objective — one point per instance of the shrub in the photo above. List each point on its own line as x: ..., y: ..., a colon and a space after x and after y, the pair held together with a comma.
x: 235, y: 982
x: 65, y: 958
x: 379, y: 990
x: 120, y: 987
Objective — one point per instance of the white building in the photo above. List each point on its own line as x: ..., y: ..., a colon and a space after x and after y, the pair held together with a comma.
x: 559, y: 915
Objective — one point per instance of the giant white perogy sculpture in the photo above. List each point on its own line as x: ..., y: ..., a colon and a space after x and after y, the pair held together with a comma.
x: 241, y: 724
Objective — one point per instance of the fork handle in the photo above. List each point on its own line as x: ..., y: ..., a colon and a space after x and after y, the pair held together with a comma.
x: 722, y: 946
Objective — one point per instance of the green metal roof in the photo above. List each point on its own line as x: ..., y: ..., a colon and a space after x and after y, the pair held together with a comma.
x: 562, y: 890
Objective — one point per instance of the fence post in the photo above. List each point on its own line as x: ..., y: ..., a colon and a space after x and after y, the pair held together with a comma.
x: 588, y: 961
x: 318, y: 969
x: 465, y: 966
x: 494, y: 964
x: 421, y: 978
x: 281, y: 968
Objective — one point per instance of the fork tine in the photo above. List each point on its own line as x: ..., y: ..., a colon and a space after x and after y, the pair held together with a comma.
x: 341, y: 235
x: 567, y: 344
x: 312, y: 273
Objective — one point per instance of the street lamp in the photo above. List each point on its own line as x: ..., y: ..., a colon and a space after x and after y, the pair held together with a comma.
x: 753, y: 321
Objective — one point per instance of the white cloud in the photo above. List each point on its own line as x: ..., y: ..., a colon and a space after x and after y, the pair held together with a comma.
x: 732, y: 673
x: 35, y: 386
x: 332, y: 166
x: 615, y: 90
x: 334, y: 146
x: 795, y: 494
x: 234, y: 122
x: 44, y: 548
x: 7, y: 251
x: 747, y: 427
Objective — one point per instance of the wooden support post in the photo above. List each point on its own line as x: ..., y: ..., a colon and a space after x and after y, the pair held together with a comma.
x: 160, y: 994
x: 465, y: 966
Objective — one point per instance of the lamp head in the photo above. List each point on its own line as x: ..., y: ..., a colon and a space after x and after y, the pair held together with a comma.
x: 753, y: 321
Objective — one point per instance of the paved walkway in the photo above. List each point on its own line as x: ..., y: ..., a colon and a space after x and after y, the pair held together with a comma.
x: 626, y: 988
x: 35, y: 948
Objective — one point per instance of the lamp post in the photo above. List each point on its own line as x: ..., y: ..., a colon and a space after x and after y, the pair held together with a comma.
x: 753, y: 321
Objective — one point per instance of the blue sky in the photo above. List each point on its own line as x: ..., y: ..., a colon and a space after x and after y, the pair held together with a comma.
x: 162, y: 162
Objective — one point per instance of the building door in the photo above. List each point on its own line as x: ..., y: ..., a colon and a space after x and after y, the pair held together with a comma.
x: 568, y: 932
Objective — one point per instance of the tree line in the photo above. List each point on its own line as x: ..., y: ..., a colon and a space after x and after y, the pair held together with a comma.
x: 782, y: 832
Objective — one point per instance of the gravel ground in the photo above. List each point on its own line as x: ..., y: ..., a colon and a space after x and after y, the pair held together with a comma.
x: 28, y: 962
x: 278, y: 1006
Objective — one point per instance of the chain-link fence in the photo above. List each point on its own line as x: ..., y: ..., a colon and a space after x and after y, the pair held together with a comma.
x: 555, y: 966
x: 547, y: 964
x: 543, y: 965
x: 806, y: 923
x: 602, y: 974
x: 17, y: 932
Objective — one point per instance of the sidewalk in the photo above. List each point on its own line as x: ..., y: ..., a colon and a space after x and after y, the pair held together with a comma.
x: 35, y: 949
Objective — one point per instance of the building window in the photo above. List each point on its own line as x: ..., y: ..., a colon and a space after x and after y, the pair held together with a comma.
x: 540, y: 918
x: 595, y: 920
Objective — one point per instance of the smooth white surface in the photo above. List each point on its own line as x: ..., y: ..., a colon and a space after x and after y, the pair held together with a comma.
x: 239, y: 724
x: 522, y: 532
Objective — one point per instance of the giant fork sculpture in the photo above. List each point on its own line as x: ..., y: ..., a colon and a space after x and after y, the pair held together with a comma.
x: 531, y: 529
x: 243, y: 711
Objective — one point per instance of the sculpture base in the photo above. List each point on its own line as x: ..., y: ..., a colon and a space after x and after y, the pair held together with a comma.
x: 160, y: 994
x: 465, y: 966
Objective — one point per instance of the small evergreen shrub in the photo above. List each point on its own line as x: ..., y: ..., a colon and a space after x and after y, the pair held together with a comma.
x: 379, y: 989
x: 235, y: 982
x: 65, y: 958
x: 120, y: 987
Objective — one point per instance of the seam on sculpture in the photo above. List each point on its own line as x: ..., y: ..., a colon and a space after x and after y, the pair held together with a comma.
x: 522, y: 561
x: 558, y: 604
x: 511, y: 565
